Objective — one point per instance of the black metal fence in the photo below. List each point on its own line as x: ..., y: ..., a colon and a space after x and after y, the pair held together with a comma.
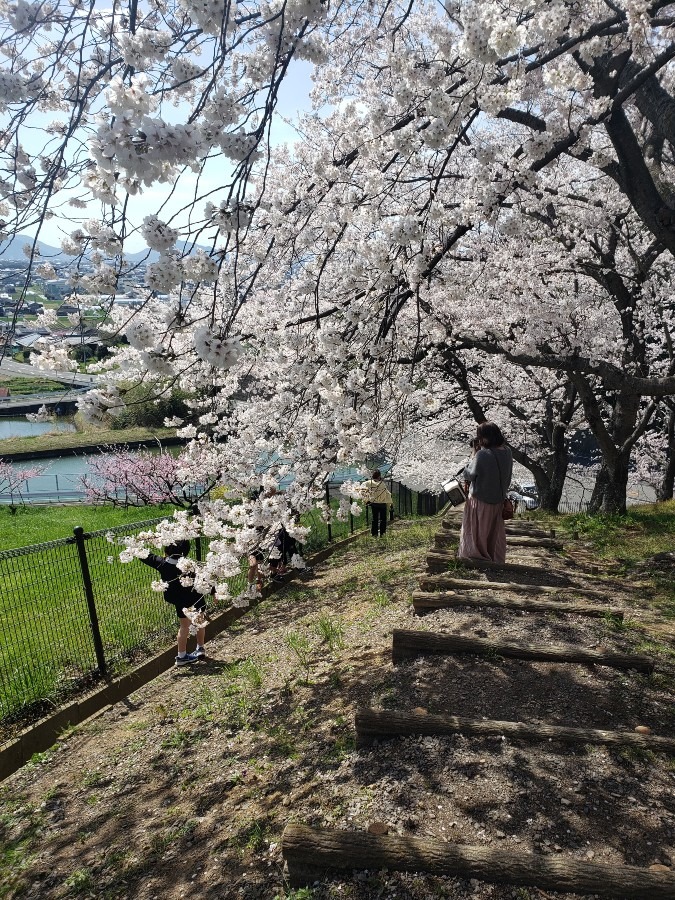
x: 73, y: 614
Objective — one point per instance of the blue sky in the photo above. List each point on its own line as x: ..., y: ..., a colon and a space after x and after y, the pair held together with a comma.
x: 293, y: 99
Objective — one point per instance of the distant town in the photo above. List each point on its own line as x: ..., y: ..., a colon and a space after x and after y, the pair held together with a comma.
x: 19, y: 331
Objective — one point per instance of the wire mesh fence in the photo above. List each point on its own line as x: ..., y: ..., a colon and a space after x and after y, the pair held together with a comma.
x: 76, y: 614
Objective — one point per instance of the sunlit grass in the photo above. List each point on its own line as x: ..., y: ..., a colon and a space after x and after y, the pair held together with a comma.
x: 37, y: 524
x: 641, y: 533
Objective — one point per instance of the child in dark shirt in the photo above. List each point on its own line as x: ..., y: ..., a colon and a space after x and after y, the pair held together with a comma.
x: 180, y: 597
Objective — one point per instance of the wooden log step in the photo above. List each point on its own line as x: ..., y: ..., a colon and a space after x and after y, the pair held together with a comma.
x: 524, y: 530
x: 380, y: 724
x: 439, y: 560
x: 425, y: 601
x: 448, y: 582
x: 407, y: 643
x: 450, y: 539
x: 311, y: 853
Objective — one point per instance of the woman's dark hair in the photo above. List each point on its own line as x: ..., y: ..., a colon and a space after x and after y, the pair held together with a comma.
x: 489, y: 435
x: 377, y: 475
x: 178, y: 548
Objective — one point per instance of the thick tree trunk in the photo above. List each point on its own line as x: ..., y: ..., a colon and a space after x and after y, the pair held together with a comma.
x: 597, y: 497
x: 550, y: 495
x: 614, y: 498
x: 549, y: 476
x: 611, y: 483
x: 557, y: 463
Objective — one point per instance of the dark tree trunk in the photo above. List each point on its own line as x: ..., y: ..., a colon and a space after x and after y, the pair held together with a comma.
x: 598, y: 495
x: 614, y: 497
x: 550, y: 489
x: 549, y: 477
x: 609, y: 491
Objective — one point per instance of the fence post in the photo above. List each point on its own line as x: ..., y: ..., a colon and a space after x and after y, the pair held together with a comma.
x: 78, y: 531
x: 330, y: 530
x: 351, y: 517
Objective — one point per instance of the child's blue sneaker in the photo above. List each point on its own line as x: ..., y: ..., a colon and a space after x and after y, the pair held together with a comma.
x: 186, y: 660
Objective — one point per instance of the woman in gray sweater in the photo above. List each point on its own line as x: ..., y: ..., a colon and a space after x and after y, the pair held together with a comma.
x: 489, y: 475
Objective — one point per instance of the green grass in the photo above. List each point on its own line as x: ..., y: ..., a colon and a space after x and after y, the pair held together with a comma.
x: 631, y: 540
x: 17, y: 844
x: 331, y: 630
x: 87, y: 439
x: 20, y: 385
x: 36, y: 524
x: 52, y: 657
x: 642, y: 532
x: 303, y: 649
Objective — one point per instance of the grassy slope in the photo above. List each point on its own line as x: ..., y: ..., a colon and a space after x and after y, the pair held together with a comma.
x: 255, y: 754
x: 642, y: 532
x: 632, y: 540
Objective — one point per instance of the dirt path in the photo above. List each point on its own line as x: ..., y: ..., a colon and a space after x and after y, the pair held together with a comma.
x: 186, y: 788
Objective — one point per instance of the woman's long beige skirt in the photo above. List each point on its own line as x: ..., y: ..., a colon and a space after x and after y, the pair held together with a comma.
x: 483, y: 535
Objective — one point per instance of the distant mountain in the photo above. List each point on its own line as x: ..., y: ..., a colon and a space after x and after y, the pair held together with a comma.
x: 150, y: 256
x: 12, y: 250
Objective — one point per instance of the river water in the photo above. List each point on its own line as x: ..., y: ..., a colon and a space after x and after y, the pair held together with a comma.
x: 10, y: 428
x: 60, y: 477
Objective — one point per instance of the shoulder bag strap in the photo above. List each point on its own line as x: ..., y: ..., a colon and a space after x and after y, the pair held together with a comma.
x: 499, y: 469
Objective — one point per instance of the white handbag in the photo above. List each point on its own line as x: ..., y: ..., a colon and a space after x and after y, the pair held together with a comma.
x: 455, y: 491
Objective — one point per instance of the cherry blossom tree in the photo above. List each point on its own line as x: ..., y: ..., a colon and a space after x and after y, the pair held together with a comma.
x: 537, y: 410
x: 12, y: 480
x: 476, y: 178
x: 126, y: 478
x: 655, y: 455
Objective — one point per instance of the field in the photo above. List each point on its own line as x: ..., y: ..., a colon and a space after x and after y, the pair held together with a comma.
x: 19, y: 386
x: 36, y: 524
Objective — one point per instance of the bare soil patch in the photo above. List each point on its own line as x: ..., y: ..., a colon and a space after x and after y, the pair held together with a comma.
x: 185, y: 789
